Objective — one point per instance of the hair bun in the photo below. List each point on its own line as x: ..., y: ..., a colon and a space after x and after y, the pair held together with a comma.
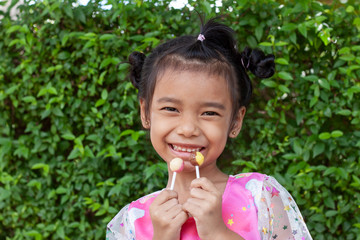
x: 261, y: 65
x: 136, y: 60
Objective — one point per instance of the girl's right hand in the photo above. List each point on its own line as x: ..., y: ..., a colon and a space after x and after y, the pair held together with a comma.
x: 167, y: 216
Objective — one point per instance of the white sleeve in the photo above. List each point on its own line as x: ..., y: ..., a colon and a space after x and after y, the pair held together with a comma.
x: 120, y: 228
x: 278, y: 215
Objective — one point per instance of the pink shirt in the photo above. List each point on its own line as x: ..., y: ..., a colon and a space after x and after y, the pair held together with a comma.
x: 254, y: 205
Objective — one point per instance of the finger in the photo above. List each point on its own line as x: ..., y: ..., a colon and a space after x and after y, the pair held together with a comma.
x: 203, y: 183
x: 174, y: 211
x: 164, y: 196
x: 192, y: 205
x: 181, y: 217
x: 200, y: 193
x: 169, y: 204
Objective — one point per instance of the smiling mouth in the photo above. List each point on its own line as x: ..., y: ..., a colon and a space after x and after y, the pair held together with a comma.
x: 186, y: 149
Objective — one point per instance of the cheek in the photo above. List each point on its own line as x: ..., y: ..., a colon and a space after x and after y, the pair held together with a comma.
x: 218, y: 134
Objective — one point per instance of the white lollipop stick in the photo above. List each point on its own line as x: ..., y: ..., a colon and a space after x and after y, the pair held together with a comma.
x: 197, y: 171
x: 173, y: 181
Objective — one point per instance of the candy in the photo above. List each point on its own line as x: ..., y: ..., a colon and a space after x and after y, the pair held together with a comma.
x: 176, y: 165
x: 197, y: 160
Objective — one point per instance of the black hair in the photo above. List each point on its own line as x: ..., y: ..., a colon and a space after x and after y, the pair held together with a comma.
x: 215, y: 53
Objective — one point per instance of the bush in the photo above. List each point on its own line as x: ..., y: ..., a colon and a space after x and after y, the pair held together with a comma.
x: 72, y: 148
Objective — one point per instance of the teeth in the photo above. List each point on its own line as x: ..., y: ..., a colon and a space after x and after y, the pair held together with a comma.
x: 189, y: 150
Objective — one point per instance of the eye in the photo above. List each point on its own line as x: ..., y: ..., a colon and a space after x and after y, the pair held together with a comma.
x: 170, y: 109
x: 210, y: 113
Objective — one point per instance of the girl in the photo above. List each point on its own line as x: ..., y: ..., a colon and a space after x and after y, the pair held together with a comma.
x: 193, y: 94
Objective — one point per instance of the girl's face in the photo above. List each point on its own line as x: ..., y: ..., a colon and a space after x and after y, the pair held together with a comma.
x: 191, y: 111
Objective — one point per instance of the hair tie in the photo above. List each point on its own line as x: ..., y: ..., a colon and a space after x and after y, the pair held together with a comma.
x: 201, y: 37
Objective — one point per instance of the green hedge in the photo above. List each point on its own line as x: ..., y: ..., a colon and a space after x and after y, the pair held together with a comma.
x: 72, y: 150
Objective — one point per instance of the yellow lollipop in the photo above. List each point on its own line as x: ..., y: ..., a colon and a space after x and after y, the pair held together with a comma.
x: 197, y: 160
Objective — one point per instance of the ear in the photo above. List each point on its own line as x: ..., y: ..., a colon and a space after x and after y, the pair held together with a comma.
x: 237, y: 123
x: 145, y: 122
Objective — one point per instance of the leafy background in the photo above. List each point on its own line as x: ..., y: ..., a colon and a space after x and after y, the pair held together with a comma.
x: 72, y: 150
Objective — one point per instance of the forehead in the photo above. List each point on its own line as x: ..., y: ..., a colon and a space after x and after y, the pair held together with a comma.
x: 192, y: 87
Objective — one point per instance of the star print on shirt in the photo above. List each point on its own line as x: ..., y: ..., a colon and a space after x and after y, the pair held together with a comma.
x: 275, y: 236
x: 264, y: 230
x: 285, y: 227
x: 274, y: 192
x: 294, y: 232
x: 287, y: 208
x: 230, y: 221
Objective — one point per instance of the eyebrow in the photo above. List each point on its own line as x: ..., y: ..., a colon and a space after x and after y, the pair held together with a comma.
x: 167, y: 99
x: 214, y: 105
x: 205, y: 104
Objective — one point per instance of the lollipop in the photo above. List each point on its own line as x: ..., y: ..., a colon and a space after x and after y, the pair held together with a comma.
x: 176, y: 165
x: 197, y: 160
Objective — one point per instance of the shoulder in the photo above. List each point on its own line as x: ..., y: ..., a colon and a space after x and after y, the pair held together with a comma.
x: 248, y: 180
x: 123, y: 222
x: 256, y: 184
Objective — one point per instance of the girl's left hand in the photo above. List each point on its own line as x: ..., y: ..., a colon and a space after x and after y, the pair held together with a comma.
x: 205, y: 205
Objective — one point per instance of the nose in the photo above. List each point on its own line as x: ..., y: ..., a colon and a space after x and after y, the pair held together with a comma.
x: 188, y: 127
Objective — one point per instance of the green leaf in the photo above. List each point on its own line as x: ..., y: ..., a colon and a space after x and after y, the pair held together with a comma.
x: 324, y: 136
x: 52, y: 90
x: 318, y: 149
x: 281, y: 43
x: 285, y: 76
x: 251, y: 41
x: 259, y: 30
x: 329, y: 171
x: 248, y: 164
x: 297, y: 147
x: 303, y: 29
x: 43, y: 166
x: 206, y: 6
x: 344, y: 112
x: 29, y: 99
x: 350, y: 9
x: 34, y: 233
x: 74, y: 154
x: 269, y: 83
x: 266, y: 44
x: 281, y: 61
x: 284, y: 88
x: 336, y: 134
x: 106, y: 37
x: 42, y: 92
x: 99, y: 102
x: 61, y: 190
x: 68, y: 11
x: 347, y: 57
x: 329, y: 202
x: 80, y: 16
x: 22, y: 151
x: 11, y: 89
x: 13, y: 29
x: 331, y: 213
x: 289, y: 27
x: 64, y: 55
x: 324, y: 83
x: 68, y: 136
x: 104, y: 94
x: 344, y: 50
